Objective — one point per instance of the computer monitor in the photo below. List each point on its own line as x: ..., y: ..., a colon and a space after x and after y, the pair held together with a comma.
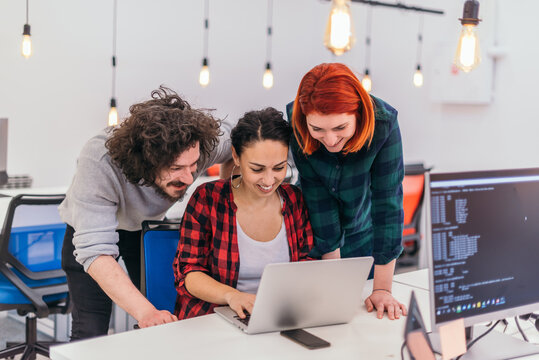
x: 3, y: 151
x: 483, y: 232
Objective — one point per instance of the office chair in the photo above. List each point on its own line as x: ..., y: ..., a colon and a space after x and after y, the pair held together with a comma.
x: 158, y: 248
x: 31, y: 278
x: 413, y: 187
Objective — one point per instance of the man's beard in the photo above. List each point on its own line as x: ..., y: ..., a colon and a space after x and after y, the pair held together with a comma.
x: 166, y: 196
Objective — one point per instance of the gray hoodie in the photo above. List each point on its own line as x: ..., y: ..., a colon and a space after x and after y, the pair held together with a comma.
x: 101, y: 200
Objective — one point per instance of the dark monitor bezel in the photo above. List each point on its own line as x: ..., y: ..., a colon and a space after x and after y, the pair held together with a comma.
x: 490, y: 316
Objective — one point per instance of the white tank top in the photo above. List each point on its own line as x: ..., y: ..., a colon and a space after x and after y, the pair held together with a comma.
x: 255, y: 255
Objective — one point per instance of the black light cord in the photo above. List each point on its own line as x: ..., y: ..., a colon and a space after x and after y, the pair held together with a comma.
x: 114, y: 35
x: 400, y: 6
x: 27, y: 11
x: 471, y: 343
x: 206, y: 27
x: 520, y: 329
x: 269, y: 31
x: 368, y: 40
x: 419, y: 39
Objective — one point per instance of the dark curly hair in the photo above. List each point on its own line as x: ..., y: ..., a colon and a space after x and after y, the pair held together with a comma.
x: 157, y: 132
x: 266, y: 124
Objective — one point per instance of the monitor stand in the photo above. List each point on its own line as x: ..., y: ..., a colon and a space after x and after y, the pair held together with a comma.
x: 494, y: 346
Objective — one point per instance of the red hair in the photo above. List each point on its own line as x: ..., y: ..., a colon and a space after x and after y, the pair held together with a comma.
x: 332, y: 89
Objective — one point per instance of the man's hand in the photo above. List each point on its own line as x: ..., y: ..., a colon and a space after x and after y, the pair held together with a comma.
x: 117, y: 285
x: 156, y: 317
x: 240, y: 301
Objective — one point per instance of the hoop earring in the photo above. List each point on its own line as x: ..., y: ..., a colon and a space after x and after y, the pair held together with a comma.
x: 291, y: 171
x: 232, y: 178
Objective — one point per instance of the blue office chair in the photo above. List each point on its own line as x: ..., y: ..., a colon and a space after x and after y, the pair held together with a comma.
x: 31, y: 278
x: 159, y: 245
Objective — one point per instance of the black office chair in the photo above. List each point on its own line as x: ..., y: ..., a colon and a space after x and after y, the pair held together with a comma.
x: 31, y: 279
x: 159, y: 245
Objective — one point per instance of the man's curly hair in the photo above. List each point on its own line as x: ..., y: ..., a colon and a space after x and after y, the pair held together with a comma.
x: 157, y: 132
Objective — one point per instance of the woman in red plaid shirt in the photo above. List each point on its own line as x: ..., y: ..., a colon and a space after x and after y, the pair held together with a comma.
x: 232, y: 228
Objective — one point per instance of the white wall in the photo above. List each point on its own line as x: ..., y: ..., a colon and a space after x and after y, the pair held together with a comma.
x: 59, y: 97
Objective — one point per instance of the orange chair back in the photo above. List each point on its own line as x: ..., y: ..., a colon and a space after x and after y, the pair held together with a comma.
x: 412, y: 187
x: 214, y: 170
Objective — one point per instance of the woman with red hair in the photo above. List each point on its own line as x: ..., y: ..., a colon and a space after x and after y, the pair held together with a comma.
x: 347, y: 148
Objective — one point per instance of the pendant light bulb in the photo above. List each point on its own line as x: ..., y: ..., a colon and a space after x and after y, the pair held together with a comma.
x: 418, y: 77
x: 468, y: 54
x: 204, y: 76
x: 366, y: 82
x: 339, y: 35
x: 26, y: 48
x: 267, y: 79
x: 113, y: 113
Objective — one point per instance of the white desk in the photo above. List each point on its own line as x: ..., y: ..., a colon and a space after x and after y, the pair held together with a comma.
x: 210, y: 337
x: 417, y: 279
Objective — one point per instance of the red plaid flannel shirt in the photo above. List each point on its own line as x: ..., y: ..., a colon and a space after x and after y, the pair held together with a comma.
x: 208, y: 240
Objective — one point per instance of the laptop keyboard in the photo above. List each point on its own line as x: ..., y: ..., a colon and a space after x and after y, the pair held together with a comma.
x: 245, y: 321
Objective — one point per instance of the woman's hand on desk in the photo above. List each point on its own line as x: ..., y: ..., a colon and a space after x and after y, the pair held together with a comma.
x: 384, y: 301
x: 156, y: 317
x: 240, y: 301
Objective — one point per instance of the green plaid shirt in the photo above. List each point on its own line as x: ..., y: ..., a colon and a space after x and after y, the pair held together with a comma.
x: 355, y: 200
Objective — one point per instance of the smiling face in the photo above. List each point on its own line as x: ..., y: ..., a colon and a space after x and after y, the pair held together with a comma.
x: 263, y: 166
x: 332, y: 130
x: 172, y: 182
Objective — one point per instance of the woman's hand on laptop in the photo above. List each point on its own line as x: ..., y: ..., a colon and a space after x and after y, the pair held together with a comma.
x: 383, y: 301
x: 240, y: 302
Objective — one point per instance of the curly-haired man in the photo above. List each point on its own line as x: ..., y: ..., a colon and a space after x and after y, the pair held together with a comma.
x: 132, y: 173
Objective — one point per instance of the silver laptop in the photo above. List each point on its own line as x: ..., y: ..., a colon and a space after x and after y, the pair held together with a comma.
x: 305, y: 294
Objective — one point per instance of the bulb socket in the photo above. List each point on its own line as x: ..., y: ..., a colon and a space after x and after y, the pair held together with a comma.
x: 268, y: 66
x: 366, y: 72
x: 418, y: 67
x: 205, y: 62
x: 112, y: 102
x: 26, y: 29
x: 470, y: 13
